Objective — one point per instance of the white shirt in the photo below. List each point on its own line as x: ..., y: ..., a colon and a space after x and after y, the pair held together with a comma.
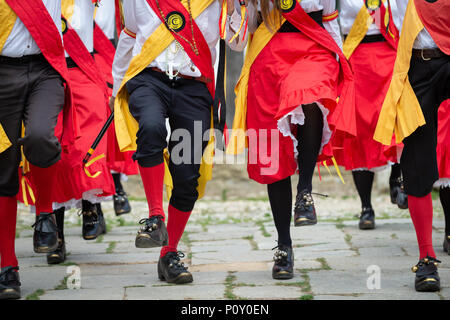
x: 349, y: 9
x: 20, y: 42
x: 143, y: 21
x: 105, y: 17
x: 328, y: 7
x: 424, y: 39
x: 82, y: 22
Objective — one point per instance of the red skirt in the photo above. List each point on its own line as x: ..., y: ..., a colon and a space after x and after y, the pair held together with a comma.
x: 290, y: 71
x: 372, y: 64
x: 117, y: 161
x: 443, y: 144
x: 72, y: 183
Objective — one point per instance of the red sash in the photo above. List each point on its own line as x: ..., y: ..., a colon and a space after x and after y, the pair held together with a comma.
x: 119, y: 17
x: 40, y: 25
x: 81, y: 56
x: 386, y: 30
x: 174, y: 10
x: 343, y: 116
x: 102, y: 45
x: 436, y: 16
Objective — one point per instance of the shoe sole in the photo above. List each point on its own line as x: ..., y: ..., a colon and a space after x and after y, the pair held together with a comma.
x: 428, y: 286
x: 122, y: 212
x: 305, y: 223
x: 10, y: 294
x: 282, y: 275
x: 45, y: 249
x: 180, y: 279
x: 55, y: 260
x: 147, y: 242
x: 369, y: 226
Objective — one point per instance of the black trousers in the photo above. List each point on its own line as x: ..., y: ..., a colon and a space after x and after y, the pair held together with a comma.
x: 187, y: 103
x: 32, y: 92
x: 430, y: 80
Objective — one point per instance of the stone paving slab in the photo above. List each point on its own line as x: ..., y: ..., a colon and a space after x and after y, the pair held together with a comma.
x: 268, y: 292
x: 173, y: 292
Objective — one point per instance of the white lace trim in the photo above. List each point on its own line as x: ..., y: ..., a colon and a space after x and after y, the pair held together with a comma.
x: 90, y: 196
x: 376, y: 169
x: 297, y: 116
x: 442, y: 183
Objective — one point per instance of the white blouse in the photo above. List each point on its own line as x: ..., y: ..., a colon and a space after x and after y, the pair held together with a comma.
x: 82, y: 22
x: 328, y: 7
x: 349, y: 9
x: 105, y: 17
x: 143, y: 21
x: 20, y: 42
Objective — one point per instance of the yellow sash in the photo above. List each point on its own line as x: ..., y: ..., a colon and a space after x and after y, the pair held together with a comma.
x: 8, y: 19
x: 401, y: 110
x: 261, y: 38
x: 127, y: 127
x: 67, y: 7
x: 358, y: 31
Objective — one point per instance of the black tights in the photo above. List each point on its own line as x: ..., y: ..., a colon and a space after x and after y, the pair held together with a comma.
x: 117, y: 182
x: 364, y: 180
x: 444, y: 194
x: 309, y: 138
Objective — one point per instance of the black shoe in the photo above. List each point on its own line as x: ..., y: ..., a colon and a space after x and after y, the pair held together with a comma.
x: 93, y: 221
x: 121, y: 203
x: 152, y: 234
x: 446, y: 244
x: 59, y: 255
x: 45, y: 237
x: 283, y: 267
x: 10, y: 283
x: 170, y: 269
x: 427, y: 277
x: 367, y: 219
x: 304, y: 211
x: 398, y: 195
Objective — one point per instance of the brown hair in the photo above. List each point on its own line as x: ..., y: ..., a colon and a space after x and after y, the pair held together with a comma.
x: 265, y: 13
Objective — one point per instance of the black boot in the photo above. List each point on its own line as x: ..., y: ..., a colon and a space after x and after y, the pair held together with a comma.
x: 121, y: 203
x: 59, y: 255
x: 152, y: 234
x: 45, y: 237
x: 304, y: 211
x: 283, y: 267
x: 427, y: 276
x: 397, y: 192
x: 170, y: 269
x: 93, y: 221
x: 367, y: 219
x: 10, y: 283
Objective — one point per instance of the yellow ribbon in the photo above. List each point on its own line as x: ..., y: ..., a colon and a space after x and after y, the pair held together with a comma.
x: 88, y: 164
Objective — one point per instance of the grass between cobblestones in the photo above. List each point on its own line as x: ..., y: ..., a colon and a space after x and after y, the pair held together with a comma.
x: 35, y: 295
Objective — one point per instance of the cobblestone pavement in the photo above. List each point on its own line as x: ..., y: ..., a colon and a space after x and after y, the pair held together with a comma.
x: 228, y: 246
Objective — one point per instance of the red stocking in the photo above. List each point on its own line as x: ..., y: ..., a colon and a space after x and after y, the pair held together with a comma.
x: 44, y: 180
x: 175, y: 228
x: 153, y: 180
x: 8, y: 218
x: 421, y: 210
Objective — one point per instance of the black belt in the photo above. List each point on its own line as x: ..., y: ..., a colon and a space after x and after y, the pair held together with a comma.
x: 72, y: 64
x: 22, y: 60
x: 371, y: 38
x: 288, y: 27
x: 428, y: 54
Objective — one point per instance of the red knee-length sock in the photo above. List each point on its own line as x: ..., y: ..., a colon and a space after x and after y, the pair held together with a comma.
x: 153, y: 180
x: 421, y: 210
x: 175, y: 228
x: 44, y: 180
x: 8, y: 218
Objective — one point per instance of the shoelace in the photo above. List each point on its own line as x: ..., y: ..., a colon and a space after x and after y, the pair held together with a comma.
x: 425, y: 261
x: 175, y: 261
x: 150, y: 224
x: 4, y: 276
x: 38, y: 224
x: 280, y: 254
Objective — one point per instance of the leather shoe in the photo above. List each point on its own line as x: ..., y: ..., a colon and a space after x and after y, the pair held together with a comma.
x: 283, y: 267
x: 45, y: 237
x: 152, y: 234
x: 93, y: 221
x: 367, y: 219
x: 446, y: 244
x: 397, y: 192
x: 427, y: 276
x: 304, y: 211
x: 121, y: 203
x: 170, y: 269
x: 10, y: 283
x: 59, y: 255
